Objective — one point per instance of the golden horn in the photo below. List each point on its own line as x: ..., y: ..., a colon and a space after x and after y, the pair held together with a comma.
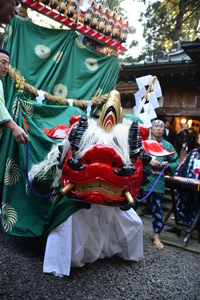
x: 67, y: 188
x: 128, y: 197
x: 115, y: 102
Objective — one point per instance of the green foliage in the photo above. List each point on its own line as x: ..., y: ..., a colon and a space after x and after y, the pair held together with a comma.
x: 113, y: 3
x: 134, y: 43
x: 168, y: 21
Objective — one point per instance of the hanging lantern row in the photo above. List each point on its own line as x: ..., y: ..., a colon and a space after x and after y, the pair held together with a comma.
x: 97, y: 17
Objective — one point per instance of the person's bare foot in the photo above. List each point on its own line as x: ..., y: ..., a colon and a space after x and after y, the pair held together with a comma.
x: 157, y: 243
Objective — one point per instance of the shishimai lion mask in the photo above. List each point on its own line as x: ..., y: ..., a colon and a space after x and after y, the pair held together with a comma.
x: 100, y: 161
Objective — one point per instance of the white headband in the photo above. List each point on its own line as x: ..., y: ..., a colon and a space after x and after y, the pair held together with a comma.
x: 158, y: 122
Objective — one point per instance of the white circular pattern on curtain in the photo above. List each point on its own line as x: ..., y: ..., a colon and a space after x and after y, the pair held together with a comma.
x: 28, y: 108
x: 12, y: 172
x: 58, y: 57
x: 80, y: 44
x: 51, y: 173
x: 9, y: 217
x: 60, y: 90
x: 8, y: 33
x: 42, y: 51
x: 15, y: 109
x: 91, y: 64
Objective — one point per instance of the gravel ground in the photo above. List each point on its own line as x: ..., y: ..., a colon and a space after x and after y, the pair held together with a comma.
x: 169, y: 274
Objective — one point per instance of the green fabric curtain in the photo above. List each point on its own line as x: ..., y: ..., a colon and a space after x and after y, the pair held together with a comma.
x: 57, y: 62
x: 54, y: 61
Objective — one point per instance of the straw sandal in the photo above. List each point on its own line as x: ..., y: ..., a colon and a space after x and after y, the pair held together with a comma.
x: 158, y: 245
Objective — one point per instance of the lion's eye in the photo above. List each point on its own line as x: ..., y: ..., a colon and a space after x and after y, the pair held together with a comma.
x: 88, y: 161
x: 114, y: 164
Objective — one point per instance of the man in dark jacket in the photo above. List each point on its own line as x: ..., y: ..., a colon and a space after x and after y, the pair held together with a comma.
x: 169, y: 135
x: 185, y: 141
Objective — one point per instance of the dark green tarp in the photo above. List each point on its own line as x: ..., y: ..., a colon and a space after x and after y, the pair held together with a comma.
x: 57, y: 62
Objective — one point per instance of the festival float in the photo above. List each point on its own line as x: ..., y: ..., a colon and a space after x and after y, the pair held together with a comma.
x: 103, y: 29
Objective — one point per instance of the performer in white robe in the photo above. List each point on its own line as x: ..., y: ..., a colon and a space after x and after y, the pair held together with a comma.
x: 101, y: 231
x: 90, y: 234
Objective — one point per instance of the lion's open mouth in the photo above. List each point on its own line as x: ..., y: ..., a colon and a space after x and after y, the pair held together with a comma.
x: 99, y: 186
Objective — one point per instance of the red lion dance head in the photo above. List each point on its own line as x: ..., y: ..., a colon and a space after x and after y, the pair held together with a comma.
x: 101, y: 160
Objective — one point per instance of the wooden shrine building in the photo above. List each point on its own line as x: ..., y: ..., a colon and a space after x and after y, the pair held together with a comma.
x: 179, y: 77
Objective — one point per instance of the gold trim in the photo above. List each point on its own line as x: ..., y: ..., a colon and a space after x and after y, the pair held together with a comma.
x: 115, y: 101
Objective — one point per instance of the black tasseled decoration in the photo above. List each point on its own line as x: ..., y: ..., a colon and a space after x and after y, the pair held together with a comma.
x: 76, y: 134
x: 60, y: 148
x: 71, y: 136
x: 134, y: 140
x: 146, y: 173
x: 145, y: 160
